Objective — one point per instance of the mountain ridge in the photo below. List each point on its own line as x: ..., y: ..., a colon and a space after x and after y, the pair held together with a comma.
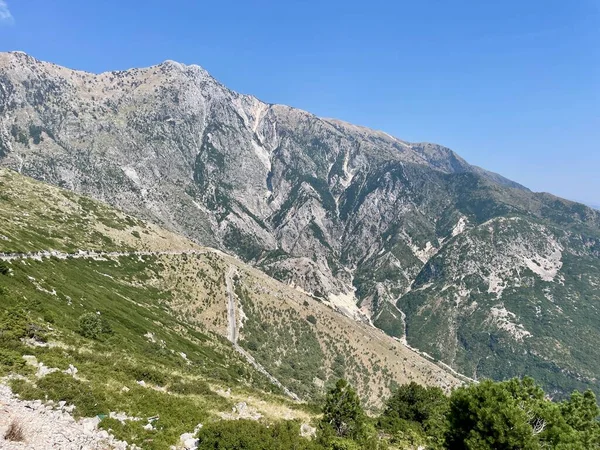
x: 197, y: 287
x: 350, y: 215
x: 423, y: 146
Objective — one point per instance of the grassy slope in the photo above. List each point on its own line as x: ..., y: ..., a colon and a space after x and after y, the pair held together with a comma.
x: 181, y: 300
x: 44, y: 298
x: 301, y: 341
x: 36, y: 216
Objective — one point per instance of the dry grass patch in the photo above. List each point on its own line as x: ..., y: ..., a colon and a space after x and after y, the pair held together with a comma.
x: 15, y: 432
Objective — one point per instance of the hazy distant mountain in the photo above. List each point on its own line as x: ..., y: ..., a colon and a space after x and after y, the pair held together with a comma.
x: 593, y: 205
x: 462, y: 263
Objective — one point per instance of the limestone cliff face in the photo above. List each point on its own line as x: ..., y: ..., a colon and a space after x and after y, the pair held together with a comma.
x: 368, y: 222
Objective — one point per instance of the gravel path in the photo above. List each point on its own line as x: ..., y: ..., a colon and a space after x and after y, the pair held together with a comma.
x: 92, y: 254
x: 45, y: 427
x: 232, y: 335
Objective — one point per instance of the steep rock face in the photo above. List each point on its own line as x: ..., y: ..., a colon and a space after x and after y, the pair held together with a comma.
x: 508, y: 297
x: 372, y: 224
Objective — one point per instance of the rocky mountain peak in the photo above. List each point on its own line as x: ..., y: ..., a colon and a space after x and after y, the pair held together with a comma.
x: 386, y: 231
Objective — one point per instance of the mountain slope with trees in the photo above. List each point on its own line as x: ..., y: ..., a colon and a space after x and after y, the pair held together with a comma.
x: 113, y: 314
x: 482, y: 273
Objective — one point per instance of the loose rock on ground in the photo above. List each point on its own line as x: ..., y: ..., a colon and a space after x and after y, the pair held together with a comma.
x: 48, y: 426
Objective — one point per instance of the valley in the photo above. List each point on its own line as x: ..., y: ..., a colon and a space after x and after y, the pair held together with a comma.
x: 165, y: 306
x: 396, y: 234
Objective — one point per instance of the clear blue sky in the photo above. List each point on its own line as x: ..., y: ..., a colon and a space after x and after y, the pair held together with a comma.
x: 511, y: 85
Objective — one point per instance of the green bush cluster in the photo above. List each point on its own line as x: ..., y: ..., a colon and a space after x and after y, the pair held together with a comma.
x: 516, y: 414
x: 10, y: 361
x: 509, y: 415
x: 94, y: 326
x: 4, y: 269
x: 416, y: 415
x: 343, y: 426
x: 187, y: 387
x: 251, y: 435
x: 15, y: 325
x: 58, y: 387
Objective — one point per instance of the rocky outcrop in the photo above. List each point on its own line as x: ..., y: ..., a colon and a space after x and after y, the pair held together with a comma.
x: 50, y: 426
x: 372, y: 224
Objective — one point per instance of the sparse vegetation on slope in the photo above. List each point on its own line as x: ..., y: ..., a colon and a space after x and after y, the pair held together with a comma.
x: 351, y: 215
x: 137, y: 329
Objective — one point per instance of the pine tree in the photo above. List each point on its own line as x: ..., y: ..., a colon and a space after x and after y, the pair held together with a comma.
x: 496, y: 416
x: 416, y: 407
x: 343, y: 413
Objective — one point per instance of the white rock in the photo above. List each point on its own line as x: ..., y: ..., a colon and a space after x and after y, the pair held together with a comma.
x: 240, y: 408
x: 307, y: 431
x: 44, y: 370
x: 72, y: 370
x: 30, y: 360
x: 90, y: 424
x: 190, y: 444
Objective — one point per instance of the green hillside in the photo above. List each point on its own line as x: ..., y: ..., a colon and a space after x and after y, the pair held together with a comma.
x: 141, y: 314
x: 104, y: 316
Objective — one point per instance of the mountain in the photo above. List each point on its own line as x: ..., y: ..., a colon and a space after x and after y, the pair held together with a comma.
x: 69, y: 255
x: 594, y: 206
x: 477, y: 270
x: 188, y: 334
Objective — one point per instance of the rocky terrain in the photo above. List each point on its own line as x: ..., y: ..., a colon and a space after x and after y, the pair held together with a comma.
x: 49, y: 426
x: 168, y: 312
x: 454, y: 260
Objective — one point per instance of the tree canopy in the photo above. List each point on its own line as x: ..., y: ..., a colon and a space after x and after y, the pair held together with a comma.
x: 343, y: 412
x: 515, y: 414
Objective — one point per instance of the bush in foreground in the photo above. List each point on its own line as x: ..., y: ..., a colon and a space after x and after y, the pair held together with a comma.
x: 416, y: 415
x: 515, y: 414
x: 251, y: 435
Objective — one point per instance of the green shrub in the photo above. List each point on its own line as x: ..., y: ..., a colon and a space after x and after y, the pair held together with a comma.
x: 93, y: 326
x: 148, y: 374
x: 515, y: 414
x: 35, y: 131
x: 4, y: 269
x: 409, y: 434
x: 251, y: 435
x: 58, y: 386
x: 414, y: 410
x: 185, y: 387
x: 10, y: 361
x: 36, y: 332
x: 252, y: 345
x: 13, y: 325
x: 343, y: 413
x: 26, y: 390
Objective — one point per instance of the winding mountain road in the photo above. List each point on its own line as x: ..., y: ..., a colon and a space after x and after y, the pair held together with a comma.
x: 92, y: 254
x: 232, y: 335
x: 232, y: 332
